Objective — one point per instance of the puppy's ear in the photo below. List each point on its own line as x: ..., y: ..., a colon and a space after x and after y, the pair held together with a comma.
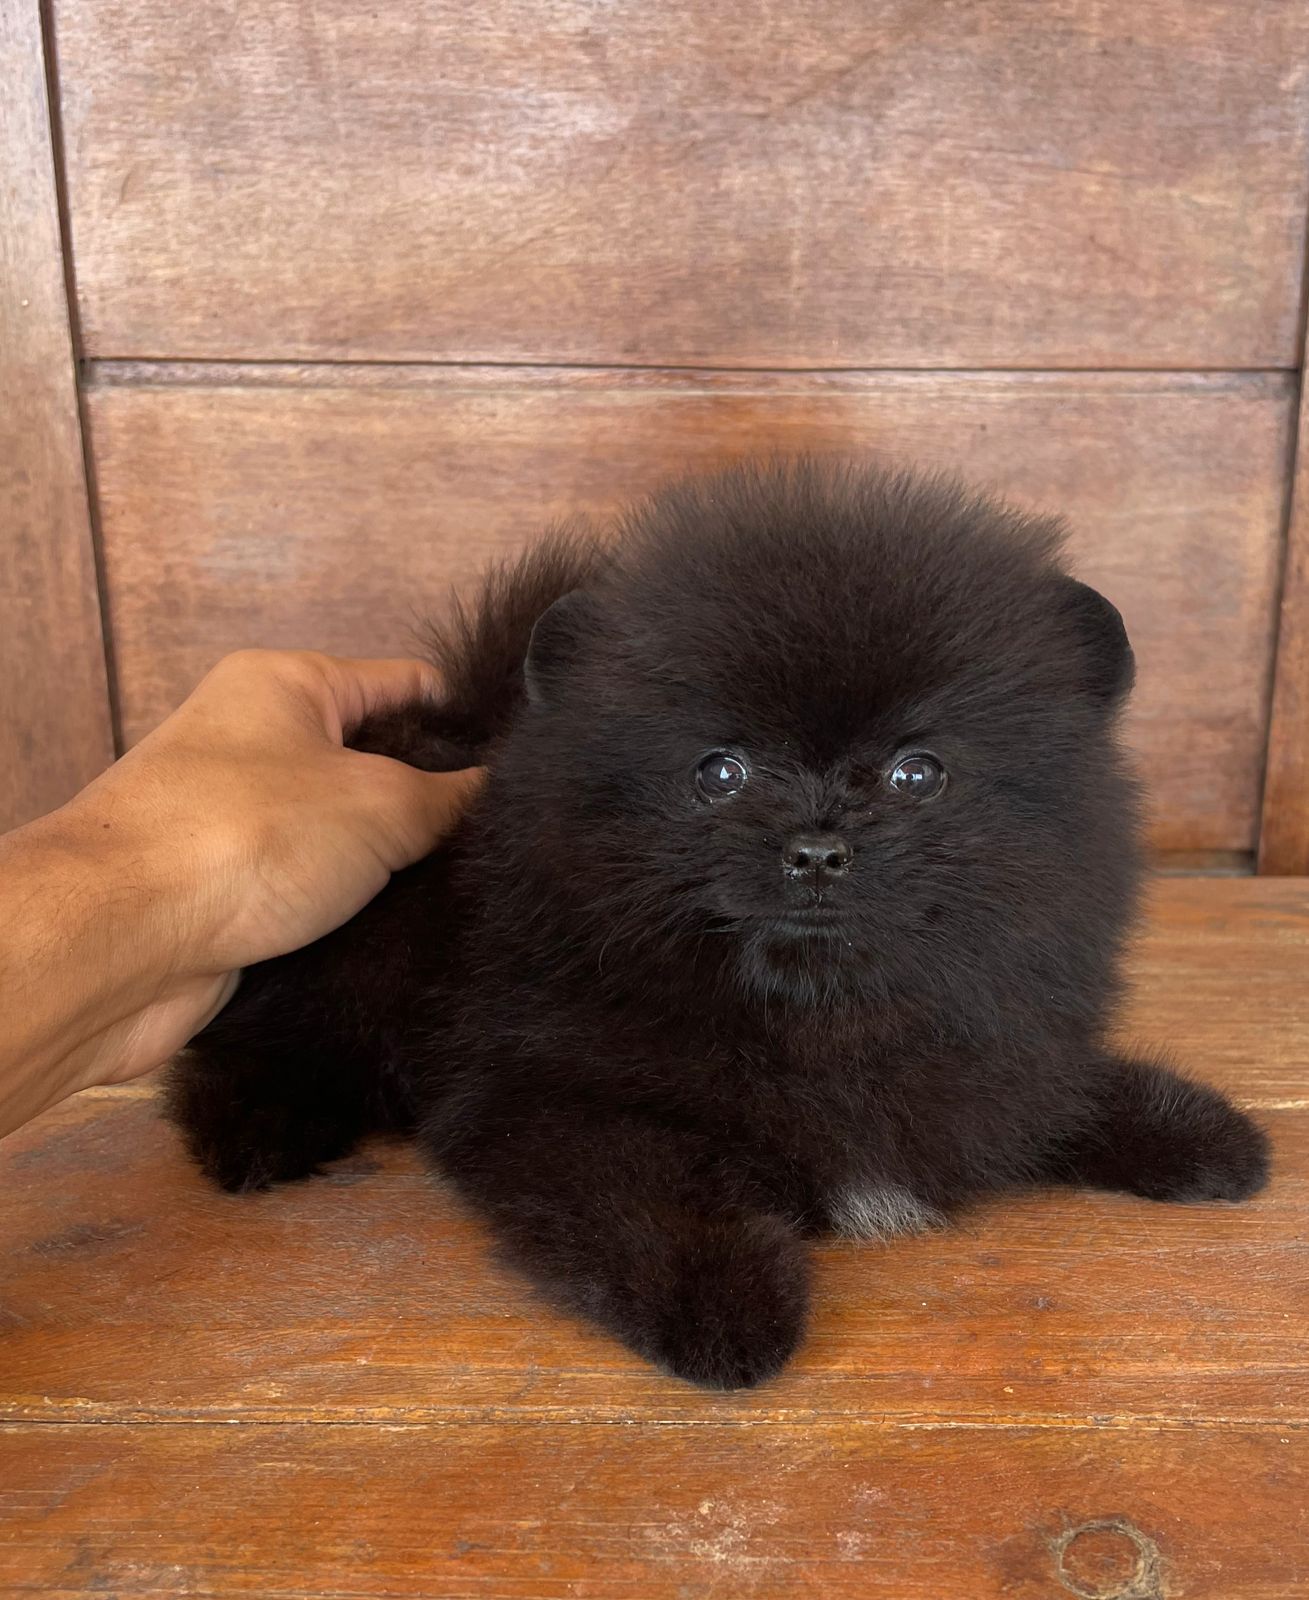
x: 556, y: 639
x: 1107, y: 653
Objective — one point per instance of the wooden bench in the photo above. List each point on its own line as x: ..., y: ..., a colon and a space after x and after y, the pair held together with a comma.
x: 306, y: 311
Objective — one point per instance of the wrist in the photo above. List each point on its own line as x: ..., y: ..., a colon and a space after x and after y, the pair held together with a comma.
x: 102, y: 891
x: 137, y: 885
x: 93, y: 952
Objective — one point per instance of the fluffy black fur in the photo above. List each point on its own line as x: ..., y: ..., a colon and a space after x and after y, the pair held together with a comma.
x: 659, y: 1039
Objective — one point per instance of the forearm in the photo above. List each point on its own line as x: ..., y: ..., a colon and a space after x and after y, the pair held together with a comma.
x: 94, y: 979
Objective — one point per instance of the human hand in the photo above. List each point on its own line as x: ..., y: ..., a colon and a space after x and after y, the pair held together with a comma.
x: 238, y: 830
x: 246, y: 799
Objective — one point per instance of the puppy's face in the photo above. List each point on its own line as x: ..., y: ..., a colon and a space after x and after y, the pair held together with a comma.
x: 860, y: 780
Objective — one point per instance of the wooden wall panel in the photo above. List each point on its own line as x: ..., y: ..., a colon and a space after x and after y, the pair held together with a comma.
x: 836, y: 183
x: 54, y: 714
x: 331, y: 508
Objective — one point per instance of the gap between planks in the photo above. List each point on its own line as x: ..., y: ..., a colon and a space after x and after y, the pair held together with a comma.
x: 396, y: 1420
x: 148, y: 1090
x: 184, y: 372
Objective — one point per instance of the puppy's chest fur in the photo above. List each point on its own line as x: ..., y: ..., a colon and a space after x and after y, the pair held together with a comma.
x: 826, y: 1112
x: 879, y: 1211
x: 823, y: 1103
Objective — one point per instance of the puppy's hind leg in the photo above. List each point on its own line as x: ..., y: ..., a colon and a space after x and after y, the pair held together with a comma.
x: 1157, y: 1134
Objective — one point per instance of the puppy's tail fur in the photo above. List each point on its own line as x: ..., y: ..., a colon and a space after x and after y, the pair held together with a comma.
x: 479, y: 646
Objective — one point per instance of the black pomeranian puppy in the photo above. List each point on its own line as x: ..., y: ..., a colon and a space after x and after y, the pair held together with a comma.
x: 793, y: 905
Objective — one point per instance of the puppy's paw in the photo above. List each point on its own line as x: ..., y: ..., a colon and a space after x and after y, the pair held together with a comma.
x: 258, y: 1156
x: 1207, y: 1150
x: 244, y: 1141
x: 738, y: 1308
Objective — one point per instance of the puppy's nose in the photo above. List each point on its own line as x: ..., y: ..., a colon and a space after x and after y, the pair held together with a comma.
x: 817, y: 852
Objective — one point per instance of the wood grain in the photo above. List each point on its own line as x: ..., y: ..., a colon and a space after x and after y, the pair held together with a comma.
x: 54, y: 713
x: 838, y: 183
x: 544, y: 1512
x: 1218, y: 982
x: 1284, y: 835
x: 131, y: 1290
x: 331, y: 507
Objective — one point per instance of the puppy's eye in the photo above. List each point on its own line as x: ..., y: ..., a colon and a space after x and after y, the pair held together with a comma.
x: 720, y: 775
x: 918, y: 776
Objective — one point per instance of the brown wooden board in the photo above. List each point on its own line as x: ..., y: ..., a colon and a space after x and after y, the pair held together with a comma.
x: 839, y: 183
x: 130, y: 1289
x: 563, y: 1511
x: 333, y: 507
x: 54, y: 714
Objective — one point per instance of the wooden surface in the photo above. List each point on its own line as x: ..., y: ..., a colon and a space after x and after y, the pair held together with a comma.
x: 832, y: 183
x: 561, y: 1511
x: 330, y: 1390
x: 54, y: 714
x: 1284, y: 836
x: 285, y: 506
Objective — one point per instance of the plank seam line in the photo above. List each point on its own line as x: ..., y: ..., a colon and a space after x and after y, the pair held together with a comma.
x: 54, y: 112
x: 1115, y: 1423
x: 122, y: 371
x: 1289, y: 509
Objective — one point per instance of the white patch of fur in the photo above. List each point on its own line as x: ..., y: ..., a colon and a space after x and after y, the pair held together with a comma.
x: 880, y: 1213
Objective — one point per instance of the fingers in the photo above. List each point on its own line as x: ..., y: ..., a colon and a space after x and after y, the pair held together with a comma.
x: 360, y: 686
x: 330, y: 693
x: 449, y: 795
x: 425, y: 807
x: 445, y: 796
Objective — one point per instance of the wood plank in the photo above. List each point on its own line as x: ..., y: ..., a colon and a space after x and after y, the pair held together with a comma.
x: 846, y: 1511
x: 54, y: 712
x: 131, y: 1290
x: 1284, y: 835
x: 843, y: 183
x: 332, y: 506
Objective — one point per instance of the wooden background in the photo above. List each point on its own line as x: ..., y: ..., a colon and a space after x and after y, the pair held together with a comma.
x: 361, y: 295
x: 307, y: 307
